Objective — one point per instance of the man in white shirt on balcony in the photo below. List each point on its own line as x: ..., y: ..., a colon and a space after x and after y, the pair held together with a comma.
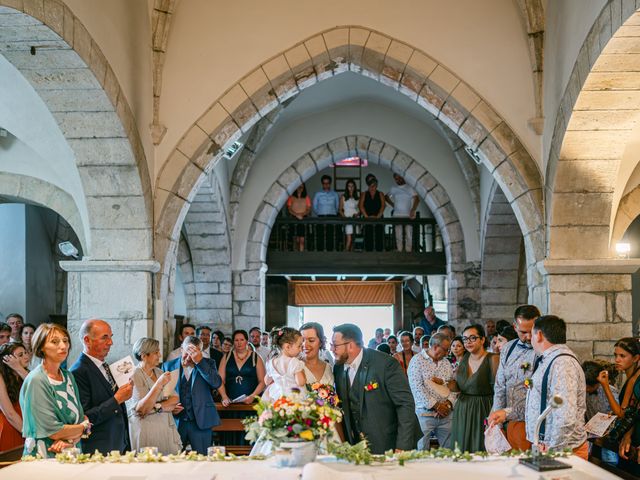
x: 404, y: 201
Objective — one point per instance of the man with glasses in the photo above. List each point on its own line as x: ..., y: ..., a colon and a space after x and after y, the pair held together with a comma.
x: 376, y: 398
x: 325, y: 204
x: 517, y: 359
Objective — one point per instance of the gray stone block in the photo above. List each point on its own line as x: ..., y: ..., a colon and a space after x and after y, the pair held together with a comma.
x: 90, y: 124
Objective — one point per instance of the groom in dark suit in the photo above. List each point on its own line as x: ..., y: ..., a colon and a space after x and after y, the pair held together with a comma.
x: 375, y: 394
x: 102, y: 400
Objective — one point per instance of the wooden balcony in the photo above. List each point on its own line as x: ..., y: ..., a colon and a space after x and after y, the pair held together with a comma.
x: 374, y: 250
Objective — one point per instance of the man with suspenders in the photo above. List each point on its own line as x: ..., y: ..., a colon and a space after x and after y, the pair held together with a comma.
x: 517, y: 359
x: 557, y: 372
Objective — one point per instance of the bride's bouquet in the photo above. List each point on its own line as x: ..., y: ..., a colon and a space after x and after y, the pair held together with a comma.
x: 326, y: 393
x: 308, y: 418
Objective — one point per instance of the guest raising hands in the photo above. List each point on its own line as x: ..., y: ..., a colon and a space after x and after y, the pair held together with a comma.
x: 10, y: 382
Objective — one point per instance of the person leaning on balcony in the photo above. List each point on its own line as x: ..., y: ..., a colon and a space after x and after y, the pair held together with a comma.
x: 372, y: 205
x: 325, y: 204
x: 299, y: 206
x: 349, y: 209
x: 404, y: 201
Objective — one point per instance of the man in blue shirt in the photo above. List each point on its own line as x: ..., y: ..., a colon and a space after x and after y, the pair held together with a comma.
x: 325, y: 204
x: 430, y: 322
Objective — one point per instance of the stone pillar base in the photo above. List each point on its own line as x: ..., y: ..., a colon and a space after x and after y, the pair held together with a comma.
x: 118, y: 292
x: 594, y: 298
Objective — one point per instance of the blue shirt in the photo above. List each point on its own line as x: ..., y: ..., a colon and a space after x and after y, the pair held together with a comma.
x: 431, y: 329
x: 326, y: 203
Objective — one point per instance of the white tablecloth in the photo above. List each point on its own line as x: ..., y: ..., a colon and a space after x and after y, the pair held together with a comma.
x: 240, y: 470
x: 443, y: 470
x: 325, y: 469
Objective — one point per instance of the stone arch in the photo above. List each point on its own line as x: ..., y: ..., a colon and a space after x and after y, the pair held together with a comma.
x: 595, y: 122
x: 501, y: 258
x: 587, y: 172
x: 76, y: 83
x: 25, y: 189
x: 185, y: 264
x: 372, y: 54
x: 462, y: 275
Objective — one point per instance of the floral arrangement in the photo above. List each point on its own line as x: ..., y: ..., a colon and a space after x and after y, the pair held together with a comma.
x: 528, y: 383
x: 326, y: 393
x: 297, y: 417
x: 360, y: 454
x: 143, y: 457
x: 525, y: 366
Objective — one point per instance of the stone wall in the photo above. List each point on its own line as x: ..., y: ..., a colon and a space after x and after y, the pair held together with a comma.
x: 205, y: 227
x: 594, y: 298
x: 501, y: 259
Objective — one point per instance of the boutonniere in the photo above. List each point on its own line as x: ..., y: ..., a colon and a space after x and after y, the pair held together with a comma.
x: 528, y: 383
x: 525, y: 366
x: 371, y: 386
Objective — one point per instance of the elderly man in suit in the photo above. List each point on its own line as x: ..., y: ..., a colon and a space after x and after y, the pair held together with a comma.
x: 196, y: 413
x: 102, y: 400
x: 375, y: 393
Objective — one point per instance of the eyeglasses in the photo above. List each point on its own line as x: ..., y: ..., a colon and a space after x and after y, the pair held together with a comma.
x: 470, y: 339
x: 334, y: 345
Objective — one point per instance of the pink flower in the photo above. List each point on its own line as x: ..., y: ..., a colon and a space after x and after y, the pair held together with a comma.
x: 264, y: 416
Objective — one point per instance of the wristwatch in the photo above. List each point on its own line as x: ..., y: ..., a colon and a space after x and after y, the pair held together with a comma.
x: 157, y: 407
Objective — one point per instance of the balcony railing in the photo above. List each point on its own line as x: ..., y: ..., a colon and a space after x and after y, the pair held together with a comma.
x: 386, y: 245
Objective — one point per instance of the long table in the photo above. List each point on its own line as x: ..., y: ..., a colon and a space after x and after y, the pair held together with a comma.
x: 323, y: 469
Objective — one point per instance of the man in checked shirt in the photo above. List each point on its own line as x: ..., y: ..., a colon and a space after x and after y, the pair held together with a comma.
x: 517, y: 360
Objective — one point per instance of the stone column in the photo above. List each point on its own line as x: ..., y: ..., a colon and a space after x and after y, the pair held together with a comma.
x: 464, y: 294
x: 594, y: 298
x: 249, y: 297
x: 119, y: 292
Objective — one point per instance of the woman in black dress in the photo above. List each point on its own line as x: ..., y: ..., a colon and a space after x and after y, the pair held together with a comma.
x: 242, y: 372
x: 372, y: 206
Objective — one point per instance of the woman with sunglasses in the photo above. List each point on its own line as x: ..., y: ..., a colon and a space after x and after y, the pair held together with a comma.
x: 474, y: 380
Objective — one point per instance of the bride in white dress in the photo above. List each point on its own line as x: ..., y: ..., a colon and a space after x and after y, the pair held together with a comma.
x: 318, y: 363
x: 316, y: 368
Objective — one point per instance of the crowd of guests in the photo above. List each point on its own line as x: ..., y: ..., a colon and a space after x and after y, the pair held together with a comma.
x: 353, y: 204
x: 400, y: 391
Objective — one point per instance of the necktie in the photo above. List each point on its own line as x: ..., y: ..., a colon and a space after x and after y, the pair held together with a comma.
x: 112, y: 382
x: 526, y: 346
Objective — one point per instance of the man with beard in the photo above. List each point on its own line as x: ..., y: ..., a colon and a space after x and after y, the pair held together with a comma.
x: 372, y: 387
x: 517, y: 360
x: 255, y: 337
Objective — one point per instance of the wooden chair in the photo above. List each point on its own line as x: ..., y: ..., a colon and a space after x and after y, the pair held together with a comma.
x: 233, y: 425
x: 9, y: 457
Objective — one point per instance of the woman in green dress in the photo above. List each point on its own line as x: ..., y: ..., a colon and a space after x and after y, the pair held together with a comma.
x: 53, y: 418
x: 474, y: 380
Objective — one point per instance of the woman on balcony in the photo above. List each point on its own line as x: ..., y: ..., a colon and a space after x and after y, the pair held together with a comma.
x: 372, y: 205
x: 349, y: 209
x: 299, y: 206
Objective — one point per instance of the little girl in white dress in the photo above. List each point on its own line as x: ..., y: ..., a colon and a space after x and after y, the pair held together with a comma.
x: 285, y: 371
